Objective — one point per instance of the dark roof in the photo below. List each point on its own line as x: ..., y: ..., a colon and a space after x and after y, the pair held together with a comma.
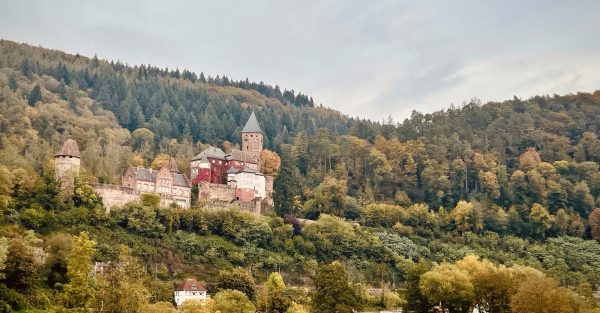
x: 252, y: 125
x: 210, y: 152
x: 69, y: 148
x: 238, y: 155
x: 149, y: 175
x: 145, y: 174
x: 181, y: 180
x: 191, y: 284
x: 233, y: 170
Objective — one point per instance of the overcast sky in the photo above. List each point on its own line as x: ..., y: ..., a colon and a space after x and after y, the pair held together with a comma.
x: 366, y: 58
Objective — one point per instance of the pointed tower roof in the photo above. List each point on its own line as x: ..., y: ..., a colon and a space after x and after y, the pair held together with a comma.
x: 172, y: 165
x: 69, y: 148
x: 252, y: 125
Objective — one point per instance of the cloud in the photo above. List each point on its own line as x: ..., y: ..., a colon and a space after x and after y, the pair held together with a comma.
x: 368, y: 59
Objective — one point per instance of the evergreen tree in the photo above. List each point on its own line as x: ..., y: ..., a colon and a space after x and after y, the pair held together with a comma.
x: 25, y: 68
x: 333, y: 291
x: 35, y: 95
x: 287, y: 184
x: 12, y: 82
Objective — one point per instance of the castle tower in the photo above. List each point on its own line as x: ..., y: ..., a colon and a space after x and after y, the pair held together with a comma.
x: 252, y: 139
x: 66, y: 163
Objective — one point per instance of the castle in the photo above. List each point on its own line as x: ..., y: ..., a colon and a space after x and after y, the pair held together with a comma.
x: 222, y: 179
x: 234, y: 177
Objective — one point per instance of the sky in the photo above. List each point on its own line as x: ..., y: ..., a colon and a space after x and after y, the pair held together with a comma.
x: 371, y: 59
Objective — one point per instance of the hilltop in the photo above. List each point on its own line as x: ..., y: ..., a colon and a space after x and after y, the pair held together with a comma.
x: 514, y: 182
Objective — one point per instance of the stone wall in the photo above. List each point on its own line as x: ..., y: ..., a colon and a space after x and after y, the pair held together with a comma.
x: 251, y: 206
x: 114, y: 195
x: 216, y: 192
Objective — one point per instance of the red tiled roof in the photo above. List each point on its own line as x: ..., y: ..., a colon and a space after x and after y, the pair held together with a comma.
x: 191, y: 284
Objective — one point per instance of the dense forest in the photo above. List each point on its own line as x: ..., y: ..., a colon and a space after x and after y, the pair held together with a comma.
x: 492, y: 206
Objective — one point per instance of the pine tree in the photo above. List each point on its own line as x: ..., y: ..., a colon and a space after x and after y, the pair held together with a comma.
x: 25, y: 68
x: 287, y: 183
x: 12, y: 82
x: 35, y: 95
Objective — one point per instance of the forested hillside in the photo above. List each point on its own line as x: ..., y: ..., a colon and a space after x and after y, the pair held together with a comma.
x: 402, y: 206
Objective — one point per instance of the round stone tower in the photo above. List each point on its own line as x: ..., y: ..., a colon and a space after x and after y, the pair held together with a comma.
x: 66, y: 163
x: 252, y: 139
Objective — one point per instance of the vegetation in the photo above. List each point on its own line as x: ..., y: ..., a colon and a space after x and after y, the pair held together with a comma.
x: 490, y: 206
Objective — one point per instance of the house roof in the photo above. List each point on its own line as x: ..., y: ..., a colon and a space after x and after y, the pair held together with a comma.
x: 238, y: 155
x: 252, y: 125
x: 149, y: 175
x: 191, y: 284
x: 69, y: 148
x: 233, y: 170
x: 145, y: 174
x: 210, y: 152
x: 181, y: 180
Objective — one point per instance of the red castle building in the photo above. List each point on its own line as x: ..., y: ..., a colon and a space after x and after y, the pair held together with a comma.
x: 212, y: 164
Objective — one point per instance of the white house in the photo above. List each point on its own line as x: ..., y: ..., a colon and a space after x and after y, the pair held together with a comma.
x: 190, y: 289
x: 249, y: 183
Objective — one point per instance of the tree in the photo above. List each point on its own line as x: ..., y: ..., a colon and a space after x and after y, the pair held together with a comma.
x: 273, y: 299
x: 270, y: 162
x: 415, y: 300
x: 286, y: 184
x: 151, y: 200
x: 462, y: 216
x: 79, y: 291
x: 160, y: 161
x: 540, y: 220
x: 143, y: 141
x: 123, y: 288
x: 296, y: 308
x: 492, y: 284
x: 58, y: 247
x: 237, y: 279
x: 329, y: 198
x: 594, y: 222
x: 3, y: 255
x: 35, y: 95
x: 85, y: 196
x: 450, y: 286
x: 195, y: 306
x: 12, y: 82
x: 333, y: 293
x: 543, y: 295
x: 158, y: 307
x: 21, y: 268
x: 232, y: 301
x: 583, y: 201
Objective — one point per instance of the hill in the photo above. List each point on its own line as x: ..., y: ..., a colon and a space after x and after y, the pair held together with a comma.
x: 516, y: 183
